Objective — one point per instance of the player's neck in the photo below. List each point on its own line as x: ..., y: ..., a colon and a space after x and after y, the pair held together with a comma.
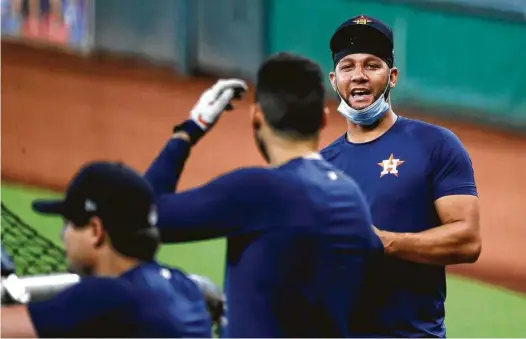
x: 360, y: 134
x: 282, y: 150
x: 114, y: 265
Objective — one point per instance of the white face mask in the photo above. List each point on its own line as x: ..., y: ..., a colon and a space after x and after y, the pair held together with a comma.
x: 368, y: 115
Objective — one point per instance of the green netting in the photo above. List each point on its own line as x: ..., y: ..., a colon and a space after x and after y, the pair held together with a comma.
x: 31, y: 252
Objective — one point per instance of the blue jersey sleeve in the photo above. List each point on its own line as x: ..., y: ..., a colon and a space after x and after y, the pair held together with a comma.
x: 228, y: 205
x: 217, y: 209
x: 90, y: 308
x: 164, y: 172
x: 452, y: 170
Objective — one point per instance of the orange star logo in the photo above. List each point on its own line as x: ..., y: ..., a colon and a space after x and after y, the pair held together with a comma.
x: 362, y: 20
x: 390, y: 166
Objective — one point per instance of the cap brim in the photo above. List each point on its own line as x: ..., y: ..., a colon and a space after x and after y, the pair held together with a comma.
x: 49, y: 206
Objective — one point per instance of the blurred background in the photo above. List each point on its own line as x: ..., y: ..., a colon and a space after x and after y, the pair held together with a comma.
x: 107, y: 79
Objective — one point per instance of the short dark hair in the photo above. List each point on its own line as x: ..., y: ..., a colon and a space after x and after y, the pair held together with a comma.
x: 291, y: 93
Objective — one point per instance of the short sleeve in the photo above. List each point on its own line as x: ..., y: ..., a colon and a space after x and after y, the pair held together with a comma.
x: 452, y: 170
x: 94, y: 307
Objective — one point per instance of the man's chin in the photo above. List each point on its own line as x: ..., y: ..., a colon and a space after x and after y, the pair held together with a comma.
x: 360, y: 104
x: 359, y: 107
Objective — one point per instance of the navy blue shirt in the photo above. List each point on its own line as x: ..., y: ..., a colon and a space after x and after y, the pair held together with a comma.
x: 299, y: 241
x: 402, y: 174
x: 148, y: 301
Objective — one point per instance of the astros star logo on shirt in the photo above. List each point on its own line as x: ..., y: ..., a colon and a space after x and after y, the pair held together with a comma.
x: 390, y: 166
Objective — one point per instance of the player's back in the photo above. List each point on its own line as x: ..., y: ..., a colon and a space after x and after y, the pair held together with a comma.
x: 300, y: 270
x: 174, y: 294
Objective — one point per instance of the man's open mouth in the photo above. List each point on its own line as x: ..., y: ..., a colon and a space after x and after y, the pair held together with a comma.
x: 358, y: 93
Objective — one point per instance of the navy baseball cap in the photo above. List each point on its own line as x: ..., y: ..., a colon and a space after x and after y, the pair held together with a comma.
x: 363, y: 34
x: 117, y: 194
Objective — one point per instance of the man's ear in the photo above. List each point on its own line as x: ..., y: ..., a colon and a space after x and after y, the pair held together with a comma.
x: 394, y: 77
x: 256, y: 116
x: 332, y: 78
x: 97, y: 231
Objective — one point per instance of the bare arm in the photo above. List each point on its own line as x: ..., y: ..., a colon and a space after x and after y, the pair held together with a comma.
x: 16, y: 322
x: 457, y: 241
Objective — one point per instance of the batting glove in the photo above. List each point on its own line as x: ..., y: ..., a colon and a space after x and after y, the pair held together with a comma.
x: 210, y: 105
x: 216, y: 100
x: 13, y: 291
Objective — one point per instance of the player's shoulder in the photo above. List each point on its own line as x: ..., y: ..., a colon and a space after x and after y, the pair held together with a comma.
x: 184, y: 282
x: 251, y: 173
x: 184, y: 302
x: 108, y: 283
x: 113, y: 292
x: 114, y: 289
x: 160, y: 275
x: 258, y: 179
x: 426, y: 132
x: 333, y: 149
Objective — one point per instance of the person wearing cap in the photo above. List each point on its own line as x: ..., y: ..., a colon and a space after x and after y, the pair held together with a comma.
x: 418, y: 181
x: 299, y: 235
x: 111, y: 240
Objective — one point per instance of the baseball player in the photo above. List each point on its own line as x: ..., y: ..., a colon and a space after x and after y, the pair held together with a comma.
x: 110, y: 237
x: 299, y: 232
x: 418, y: 181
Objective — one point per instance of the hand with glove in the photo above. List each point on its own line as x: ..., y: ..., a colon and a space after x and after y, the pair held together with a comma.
x: 13, y: 290
x: 209, y: 107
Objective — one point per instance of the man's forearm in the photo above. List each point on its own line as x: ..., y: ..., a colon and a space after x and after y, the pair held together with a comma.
x: 165, y: 171
x: 16, y: 322
x: 443, y: 245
